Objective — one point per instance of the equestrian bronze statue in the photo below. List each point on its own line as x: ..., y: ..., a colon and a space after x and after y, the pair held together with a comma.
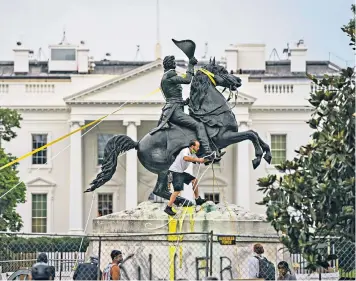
x: 210, y: 120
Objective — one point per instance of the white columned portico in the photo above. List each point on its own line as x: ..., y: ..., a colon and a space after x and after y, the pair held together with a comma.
x: 76, y: 180
x: 131, y: 167
x: 243, y: 163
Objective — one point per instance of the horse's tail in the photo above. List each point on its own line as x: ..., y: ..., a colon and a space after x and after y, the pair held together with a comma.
x: 114, y: 147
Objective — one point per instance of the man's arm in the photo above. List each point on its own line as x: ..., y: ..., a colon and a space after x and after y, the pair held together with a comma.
x: 193, y: 159
x: 115, y: 273
x: 189, y: 74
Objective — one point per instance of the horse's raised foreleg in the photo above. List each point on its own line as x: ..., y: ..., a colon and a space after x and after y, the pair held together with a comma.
x: 231, y: 137
x: 161, y: 190
x: 265, y: 148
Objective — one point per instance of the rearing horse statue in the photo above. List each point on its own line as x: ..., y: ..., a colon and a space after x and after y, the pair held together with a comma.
x: 156, y: 152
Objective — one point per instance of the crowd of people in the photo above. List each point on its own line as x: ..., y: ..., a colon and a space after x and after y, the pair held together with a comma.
x: 259, y: 267
x: 90, y: 270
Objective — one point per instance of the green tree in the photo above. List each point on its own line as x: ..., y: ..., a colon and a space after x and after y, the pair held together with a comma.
x: 313, y: 197
x: 9, y: 218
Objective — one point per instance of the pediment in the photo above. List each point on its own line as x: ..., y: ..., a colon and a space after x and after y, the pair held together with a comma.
x: 40, y: 182
x: 244, y: 98
x: 114, y: 81
x: 131, y: 85
x: 140, y: 85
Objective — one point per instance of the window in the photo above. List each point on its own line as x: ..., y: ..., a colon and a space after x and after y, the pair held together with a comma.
x: 105, y: 204
x: 39, y: 213
x: 38, y: 140
x: 215, y: 197
x: 63, y: 54
x: 102, y: 140
x: 278, y: 148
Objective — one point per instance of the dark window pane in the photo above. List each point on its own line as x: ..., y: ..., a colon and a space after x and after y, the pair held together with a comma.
x: 63, y: 54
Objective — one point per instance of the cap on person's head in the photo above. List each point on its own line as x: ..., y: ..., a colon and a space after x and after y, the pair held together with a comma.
x: 42, y: 257
x: 258, y: 249
x: 115, y: 253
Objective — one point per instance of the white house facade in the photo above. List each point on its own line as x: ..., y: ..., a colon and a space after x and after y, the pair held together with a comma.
x: 67, y: 91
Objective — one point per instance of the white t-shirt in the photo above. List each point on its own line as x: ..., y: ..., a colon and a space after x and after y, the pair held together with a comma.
x: 180, y: 165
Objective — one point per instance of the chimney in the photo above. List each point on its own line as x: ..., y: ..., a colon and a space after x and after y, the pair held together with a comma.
x: 231, y: 58
x: 251, y: 57
x: 298, y: 57
x: 21, y: 59
x: 83, y: 58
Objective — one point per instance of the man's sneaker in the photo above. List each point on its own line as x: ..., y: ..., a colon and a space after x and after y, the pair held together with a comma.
x: 169, y: 211
x: 199, y: 201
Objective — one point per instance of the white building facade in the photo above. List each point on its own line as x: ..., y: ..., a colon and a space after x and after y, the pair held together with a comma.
x: 69, y: 91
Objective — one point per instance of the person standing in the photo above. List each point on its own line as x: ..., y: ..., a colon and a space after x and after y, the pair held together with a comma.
x: 112, y: 270
x: 180, y: 177
x: 284, y: 273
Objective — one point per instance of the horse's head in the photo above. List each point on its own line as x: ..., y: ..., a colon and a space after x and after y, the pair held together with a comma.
x: 221, y: 77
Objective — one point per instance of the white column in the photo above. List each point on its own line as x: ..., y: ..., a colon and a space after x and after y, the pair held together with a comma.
x: 76, y: 208
x: 243, y: 163
x: 131, y: 167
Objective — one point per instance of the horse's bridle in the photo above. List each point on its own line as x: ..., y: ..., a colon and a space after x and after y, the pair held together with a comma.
x: 209, y: 74
x: 211, y: 77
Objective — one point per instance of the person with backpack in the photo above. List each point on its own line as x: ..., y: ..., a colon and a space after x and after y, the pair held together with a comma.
x: 259, y: 266
x: 88, y: 270
x: 41, y: 270
x: 112, y: 270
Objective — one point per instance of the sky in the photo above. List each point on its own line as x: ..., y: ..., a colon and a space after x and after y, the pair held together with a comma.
x: 118, y: 26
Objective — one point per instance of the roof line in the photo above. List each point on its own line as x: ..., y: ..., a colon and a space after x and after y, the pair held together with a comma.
x: 114, y: 80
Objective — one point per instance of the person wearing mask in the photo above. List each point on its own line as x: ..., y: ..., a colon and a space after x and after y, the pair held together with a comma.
x: 180, y: 177
x: 284, y: 273
x: 112, y: 270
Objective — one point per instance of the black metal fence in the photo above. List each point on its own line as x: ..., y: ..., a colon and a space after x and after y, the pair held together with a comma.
x: 189, y: 256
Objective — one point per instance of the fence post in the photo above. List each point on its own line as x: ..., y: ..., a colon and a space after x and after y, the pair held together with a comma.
x: 207, y: 255
x: 99, y: 258
x: 61, y: 267
x: 150, y: 266
x: 211, y: 253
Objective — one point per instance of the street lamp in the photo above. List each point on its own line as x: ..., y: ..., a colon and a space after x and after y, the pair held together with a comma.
x: 2, y: 130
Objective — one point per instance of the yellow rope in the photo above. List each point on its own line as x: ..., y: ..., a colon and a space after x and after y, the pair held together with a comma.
x: 67, y: 135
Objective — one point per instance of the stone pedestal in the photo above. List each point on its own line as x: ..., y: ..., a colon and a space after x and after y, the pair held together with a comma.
x: 142, y: 231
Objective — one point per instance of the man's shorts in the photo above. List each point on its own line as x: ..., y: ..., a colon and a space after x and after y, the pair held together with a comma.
x: 179, y: 179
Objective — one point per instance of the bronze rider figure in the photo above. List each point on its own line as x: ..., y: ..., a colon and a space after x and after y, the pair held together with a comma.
x: 173, y: 110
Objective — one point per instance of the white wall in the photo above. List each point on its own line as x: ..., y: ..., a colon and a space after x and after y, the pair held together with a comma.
x: 57, y: 170
x: 267, y: 123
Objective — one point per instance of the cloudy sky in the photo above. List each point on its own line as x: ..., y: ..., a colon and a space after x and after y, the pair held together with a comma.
x: 117, y: 26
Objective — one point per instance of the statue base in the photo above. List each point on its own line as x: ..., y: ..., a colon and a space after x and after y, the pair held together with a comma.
x: 148, y: 217
x: 157, y: 257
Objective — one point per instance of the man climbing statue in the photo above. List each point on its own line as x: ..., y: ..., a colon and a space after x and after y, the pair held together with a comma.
x: 180, y: 177
x: 173, y: 110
